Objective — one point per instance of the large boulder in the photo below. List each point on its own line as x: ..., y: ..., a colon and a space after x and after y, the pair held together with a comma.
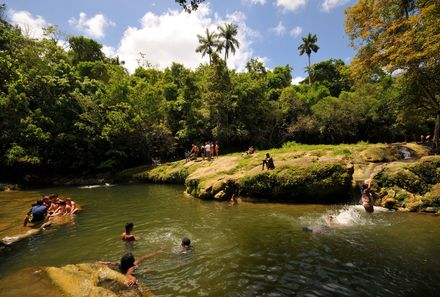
x: 409, y: 186
x: 93, y: 280
x: 310, y: 182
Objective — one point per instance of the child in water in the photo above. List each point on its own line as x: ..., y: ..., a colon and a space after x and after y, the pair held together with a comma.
x: 127, y: 236
x: 128, y: 264
x: 185, y: 246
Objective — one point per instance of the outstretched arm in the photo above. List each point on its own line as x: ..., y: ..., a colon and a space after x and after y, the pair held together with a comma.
x: 106, y: 262
x: 143, y: 258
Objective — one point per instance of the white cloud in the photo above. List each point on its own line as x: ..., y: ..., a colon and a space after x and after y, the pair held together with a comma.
x: 328, y: 5
x: 108, y: 51
x: 292, y: 5
x: 262, y: 2
x: 30, y: 26
x: 297, y: 79
x: 279, y: 29
x: 172, y: 37
x: 295, y: 32
x: 92, y: 27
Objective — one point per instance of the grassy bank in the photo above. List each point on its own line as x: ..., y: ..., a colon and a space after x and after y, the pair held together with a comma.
x: 303, y: 173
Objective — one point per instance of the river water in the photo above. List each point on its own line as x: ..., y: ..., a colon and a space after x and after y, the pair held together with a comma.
x: 245, y: 250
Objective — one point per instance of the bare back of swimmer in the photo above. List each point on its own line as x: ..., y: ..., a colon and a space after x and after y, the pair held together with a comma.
x: 367, y: 201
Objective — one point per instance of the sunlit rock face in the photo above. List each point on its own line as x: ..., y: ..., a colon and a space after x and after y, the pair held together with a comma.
x: 410, y: 186
x: 70, y: 280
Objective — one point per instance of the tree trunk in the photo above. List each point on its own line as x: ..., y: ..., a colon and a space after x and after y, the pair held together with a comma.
x: 435, y: 138
x: 308, y: 69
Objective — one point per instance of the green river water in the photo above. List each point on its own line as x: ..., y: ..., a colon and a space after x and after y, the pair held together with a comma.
x: 252, y: 249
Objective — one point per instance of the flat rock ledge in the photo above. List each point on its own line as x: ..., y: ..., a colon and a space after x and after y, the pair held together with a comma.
x: 92, y: 280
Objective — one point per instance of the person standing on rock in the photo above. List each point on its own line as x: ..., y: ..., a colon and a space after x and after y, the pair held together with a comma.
x: 208, y: 151
x: 367, y: 200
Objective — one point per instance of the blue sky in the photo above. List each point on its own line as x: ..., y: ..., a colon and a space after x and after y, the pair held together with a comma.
x: 268, y: 29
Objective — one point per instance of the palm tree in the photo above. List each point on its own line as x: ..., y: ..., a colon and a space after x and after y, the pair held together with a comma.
x: 308, y: 45
x: 207, y: 43
x: 229, y: 42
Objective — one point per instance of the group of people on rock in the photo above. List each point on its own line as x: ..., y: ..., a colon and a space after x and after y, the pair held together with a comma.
x: 425, y: 138
x: 128, y: 263
x: 209, y: 150
x: 50, y: 206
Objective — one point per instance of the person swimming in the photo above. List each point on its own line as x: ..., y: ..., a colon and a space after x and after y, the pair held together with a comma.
x: 128, y: 264
x: 127, y: 236
x: 233, y: 200
x: 185, y: 246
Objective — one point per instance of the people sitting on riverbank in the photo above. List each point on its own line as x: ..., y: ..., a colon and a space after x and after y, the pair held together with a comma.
x: 367, y: 199
x: 128, y: 264
x: 250, y: 151
x: 185, y: 246
x: 127, y: 235
x: 36, y: 214
x: 156, y: 162
x: 268, y: 161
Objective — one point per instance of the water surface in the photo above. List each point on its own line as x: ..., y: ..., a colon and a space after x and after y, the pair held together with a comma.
x: 244, y: 250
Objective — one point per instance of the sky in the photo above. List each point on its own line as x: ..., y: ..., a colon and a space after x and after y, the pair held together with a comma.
x: 161, y: 32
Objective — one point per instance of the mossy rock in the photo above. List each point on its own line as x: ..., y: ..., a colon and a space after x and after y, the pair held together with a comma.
x: 416, y: 178
x: 92, y: 280
x: 428, y: 168
x: 386, y: 153
x: 316, y: 182
x: 432, y: 198
x: 401, y: 177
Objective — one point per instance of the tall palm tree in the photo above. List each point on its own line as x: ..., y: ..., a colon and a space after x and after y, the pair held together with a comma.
x: 308, y: 45
x: 229, y: 42
x: 208, y: 43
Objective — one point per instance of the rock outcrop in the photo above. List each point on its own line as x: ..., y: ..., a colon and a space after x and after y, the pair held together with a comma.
x: 409, y: 186
x: 92, y: 280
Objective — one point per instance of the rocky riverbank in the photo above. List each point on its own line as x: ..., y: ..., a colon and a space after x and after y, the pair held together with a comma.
x: 310, y: 174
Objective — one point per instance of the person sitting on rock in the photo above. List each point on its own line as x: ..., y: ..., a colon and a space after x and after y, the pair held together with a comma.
x: 156, y: 162
x: 367, y: 200
x: 61, y: 210
x: 268, y: 161
x: 250, y: 151
x: 128, y: 264
x: 185, y: 246
x: 127, y: 236
x: 71, y: 206
x: 36, y: 214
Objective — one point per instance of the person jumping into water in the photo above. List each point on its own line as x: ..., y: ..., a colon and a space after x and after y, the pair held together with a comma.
x: 367, y: 200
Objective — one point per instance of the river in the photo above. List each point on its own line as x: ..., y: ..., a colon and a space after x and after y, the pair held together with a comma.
x: 252, y: 249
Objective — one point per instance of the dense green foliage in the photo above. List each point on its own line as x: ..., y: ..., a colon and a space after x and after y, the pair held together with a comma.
x: 76, y: 111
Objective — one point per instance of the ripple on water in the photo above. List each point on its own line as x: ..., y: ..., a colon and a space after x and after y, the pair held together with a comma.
x: 249, y: 250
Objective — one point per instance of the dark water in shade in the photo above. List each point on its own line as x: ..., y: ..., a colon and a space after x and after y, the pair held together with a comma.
x: 244, y: 250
